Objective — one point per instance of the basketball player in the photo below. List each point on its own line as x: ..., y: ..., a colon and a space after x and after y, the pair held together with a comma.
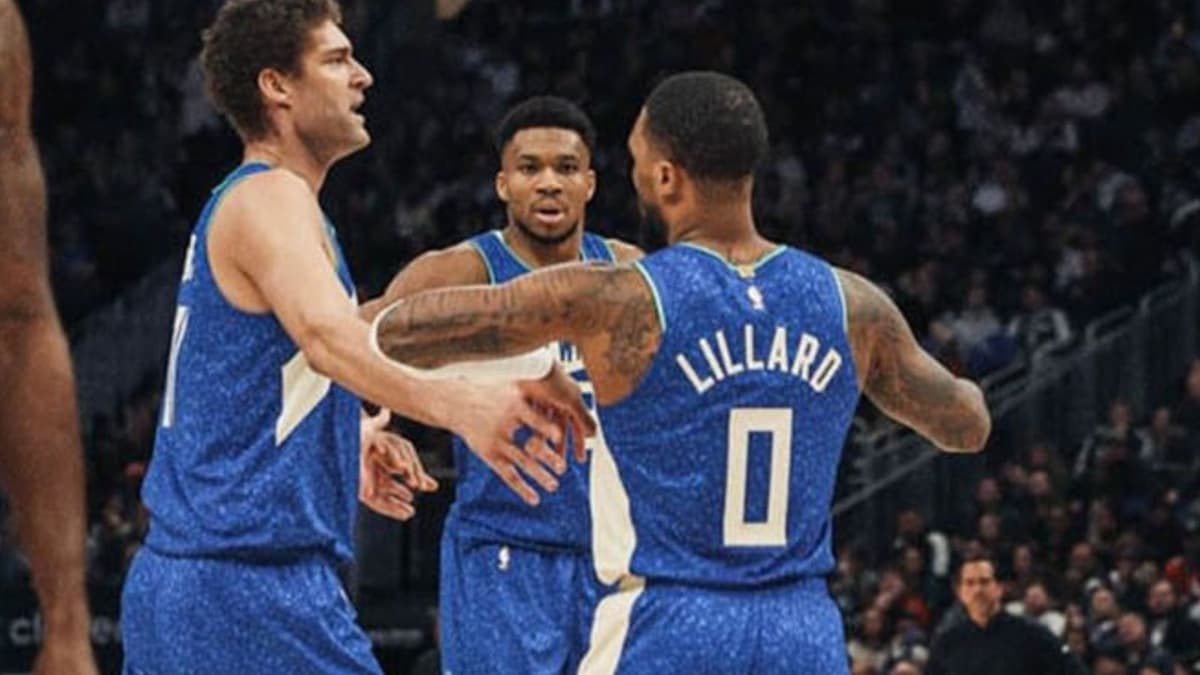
x: 515, y: 581
x: 726, y: 370
x: 252, y: 485
x: 41, y: 460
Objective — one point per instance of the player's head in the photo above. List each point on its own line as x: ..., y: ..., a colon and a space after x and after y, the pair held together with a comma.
x: 284, y: 68
x: 699, y: 137
x: 546, y: 178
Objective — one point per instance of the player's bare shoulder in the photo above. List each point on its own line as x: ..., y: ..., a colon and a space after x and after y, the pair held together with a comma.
x: 276, y: 192
x: 458, y: 265
x: 623, y: 251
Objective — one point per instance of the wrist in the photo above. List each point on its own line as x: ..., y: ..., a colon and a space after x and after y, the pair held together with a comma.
x: 445, y: 401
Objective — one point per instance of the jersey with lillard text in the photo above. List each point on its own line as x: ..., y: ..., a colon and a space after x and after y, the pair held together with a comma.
x: 722, y: 462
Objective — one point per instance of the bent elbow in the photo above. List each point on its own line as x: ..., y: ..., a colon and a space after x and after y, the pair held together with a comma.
x: 981, y: 430
x: 316, y: 341
x: 976, y: 423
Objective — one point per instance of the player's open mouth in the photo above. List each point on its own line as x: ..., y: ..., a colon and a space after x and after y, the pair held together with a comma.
x: 549, y: 215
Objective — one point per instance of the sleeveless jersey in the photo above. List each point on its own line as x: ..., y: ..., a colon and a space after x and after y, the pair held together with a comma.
x: 484, y: 505
x: 256, y: 455
x: 719, y: 469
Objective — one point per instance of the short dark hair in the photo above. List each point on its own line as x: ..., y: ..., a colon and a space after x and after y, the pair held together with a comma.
x: 708, y: 123
x: 973, y: 560
x: 545, y: 111
x: 248, y: 36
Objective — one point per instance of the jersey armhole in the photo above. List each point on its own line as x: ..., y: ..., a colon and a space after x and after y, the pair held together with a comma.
x: 203, y: 236
x: 658, y: 306
x: 612, y: 252
x: 837, y: 282
x: 487, y: 264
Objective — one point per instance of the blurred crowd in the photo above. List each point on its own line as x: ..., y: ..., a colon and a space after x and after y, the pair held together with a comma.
x: 1100, y: 544
x: 1009, y: 170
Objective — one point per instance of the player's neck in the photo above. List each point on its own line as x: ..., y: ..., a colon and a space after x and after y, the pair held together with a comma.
x: 725, y: 228
x: 541, y: 254
x: 291, y: 156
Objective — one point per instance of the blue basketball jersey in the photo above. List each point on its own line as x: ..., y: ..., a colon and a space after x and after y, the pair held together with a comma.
x: 719, y: 469
x: 256, y: 455
x: 484, y: 503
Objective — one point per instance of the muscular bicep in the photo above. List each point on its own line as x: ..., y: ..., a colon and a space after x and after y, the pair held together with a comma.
x: 607, y: 311
x: 903, y: 380
x: 624, y: 251
x: 460, y: 265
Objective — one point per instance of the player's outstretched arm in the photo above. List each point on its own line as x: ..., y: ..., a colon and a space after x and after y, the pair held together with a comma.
x: 268, y: 238
x: 606, y: 310
x: 41, y: 459
x: 903, y: 380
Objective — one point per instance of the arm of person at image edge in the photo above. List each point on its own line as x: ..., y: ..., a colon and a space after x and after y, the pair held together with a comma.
x: 267, y: 240
x: 41, y: 458
x: 597, y: 303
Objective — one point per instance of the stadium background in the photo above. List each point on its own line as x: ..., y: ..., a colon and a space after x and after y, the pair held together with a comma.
x: 1019, y: 175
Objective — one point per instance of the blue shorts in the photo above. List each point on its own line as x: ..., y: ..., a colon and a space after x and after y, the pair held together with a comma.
x: 667, y: 628
x: 207, y: 615
x: 508, y: 608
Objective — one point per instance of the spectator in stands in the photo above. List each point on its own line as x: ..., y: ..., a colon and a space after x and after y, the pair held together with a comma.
x: 1038, y: 324
x: 868, y: 645
x: 991, y: 640
x: 912, y: 530
x: 1135, y: 649
x: 1187, y: 410
x: 1037, y: 605
x: 974, y: 327
x: 1169, y: 626
x: 1166, y: 447
x: 1118, y: 432
x: 1102, y: 618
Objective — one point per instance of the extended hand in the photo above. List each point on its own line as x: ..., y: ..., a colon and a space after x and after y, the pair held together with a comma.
x: 390, y: 470
x: 550, y: 408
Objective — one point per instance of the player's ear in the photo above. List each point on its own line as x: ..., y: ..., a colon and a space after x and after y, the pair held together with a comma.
x: 274, y: 87
x: 668, y: 181
x: 591, y: 183
x: 502, y: 186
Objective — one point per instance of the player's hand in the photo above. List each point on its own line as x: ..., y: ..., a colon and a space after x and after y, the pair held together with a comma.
x: 489, y: 415
x: 390, y: 470
x: 65, y: 656
x: 558, y: 397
